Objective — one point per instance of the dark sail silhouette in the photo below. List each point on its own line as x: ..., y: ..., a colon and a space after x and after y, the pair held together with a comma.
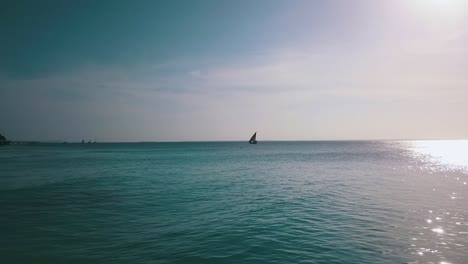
x: 253, y: 139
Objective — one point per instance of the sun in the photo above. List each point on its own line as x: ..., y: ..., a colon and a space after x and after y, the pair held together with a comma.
x: 444, y: 4
x: 439, y: 7
x: 438, y: 14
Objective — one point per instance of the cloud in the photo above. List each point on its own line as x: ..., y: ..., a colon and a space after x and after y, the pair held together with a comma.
x: 285, y: 92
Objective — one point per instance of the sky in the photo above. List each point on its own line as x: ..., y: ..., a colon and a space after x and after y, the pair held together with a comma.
x: 210, y: 70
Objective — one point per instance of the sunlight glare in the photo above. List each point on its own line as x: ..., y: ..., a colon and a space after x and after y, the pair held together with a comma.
x: 441, y: 5
x: 447, y: 152
x: 443, y: 9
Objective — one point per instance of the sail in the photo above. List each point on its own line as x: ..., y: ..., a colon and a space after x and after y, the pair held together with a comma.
x: 253, y: 139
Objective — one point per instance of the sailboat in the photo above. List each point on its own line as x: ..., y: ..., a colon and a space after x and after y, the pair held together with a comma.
x: 253, y: 139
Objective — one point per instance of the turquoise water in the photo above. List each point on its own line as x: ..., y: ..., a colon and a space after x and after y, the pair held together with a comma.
x: 231, y: 202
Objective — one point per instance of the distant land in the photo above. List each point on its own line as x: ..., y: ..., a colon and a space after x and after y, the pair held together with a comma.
x: 3, y: 140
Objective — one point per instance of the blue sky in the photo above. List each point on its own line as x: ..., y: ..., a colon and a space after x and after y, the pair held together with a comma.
x: 219, y: 70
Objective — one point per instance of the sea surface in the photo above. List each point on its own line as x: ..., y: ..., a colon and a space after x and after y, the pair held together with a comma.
x: 231, y: 202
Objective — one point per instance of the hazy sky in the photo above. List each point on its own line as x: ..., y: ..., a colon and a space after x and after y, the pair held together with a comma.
x: 220, y: 70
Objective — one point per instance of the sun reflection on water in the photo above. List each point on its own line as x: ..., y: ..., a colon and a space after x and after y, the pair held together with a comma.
x: 439, y: 167
x: 449, y: 153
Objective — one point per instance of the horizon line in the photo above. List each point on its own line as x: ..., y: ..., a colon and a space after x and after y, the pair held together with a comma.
x: 221, y: 141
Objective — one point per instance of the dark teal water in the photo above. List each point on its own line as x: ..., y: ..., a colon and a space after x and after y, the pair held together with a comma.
x: 275, y: 202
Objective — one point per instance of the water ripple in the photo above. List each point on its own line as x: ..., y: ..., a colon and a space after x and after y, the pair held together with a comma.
x: 277, y: 202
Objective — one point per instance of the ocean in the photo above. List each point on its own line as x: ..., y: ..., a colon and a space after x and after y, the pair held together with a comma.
x: 231, y: 202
